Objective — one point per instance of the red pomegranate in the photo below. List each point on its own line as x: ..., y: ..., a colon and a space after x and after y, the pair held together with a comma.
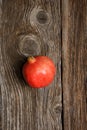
x: 39, y: 71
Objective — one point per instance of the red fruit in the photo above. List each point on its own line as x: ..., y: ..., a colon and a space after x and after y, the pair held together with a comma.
x: 39, y: 71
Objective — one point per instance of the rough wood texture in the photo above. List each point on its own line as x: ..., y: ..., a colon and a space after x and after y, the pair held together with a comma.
x: 29, y: 27
x: 74, y: 50
x: 22, y: 107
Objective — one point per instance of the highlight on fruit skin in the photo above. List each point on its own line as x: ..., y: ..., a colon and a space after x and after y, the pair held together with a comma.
x: 39, y: 71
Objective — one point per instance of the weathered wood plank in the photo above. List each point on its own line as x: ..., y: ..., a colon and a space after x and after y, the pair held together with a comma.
x: 74, y: 51
x: 0, y: 69
x: 26, y: 33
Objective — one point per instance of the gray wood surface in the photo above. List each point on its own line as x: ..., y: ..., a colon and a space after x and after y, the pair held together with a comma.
x: 58, y: 29
x: 74, y: 62
x: 29, y: 27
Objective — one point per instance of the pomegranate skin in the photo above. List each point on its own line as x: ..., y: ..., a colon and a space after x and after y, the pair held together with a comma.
x: 39, y: 71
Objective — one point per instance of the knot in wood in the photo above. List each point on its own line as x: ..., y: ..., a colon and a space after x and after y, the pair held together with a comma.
x: 58, y: 109
x: 42, y: 17
x: 29, y: 45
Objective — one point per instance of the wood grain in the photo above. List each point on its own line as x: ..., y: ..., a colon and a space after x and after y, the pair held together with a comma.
x: 22, y: 107
x: 34, y: 28
x: 74, y: 60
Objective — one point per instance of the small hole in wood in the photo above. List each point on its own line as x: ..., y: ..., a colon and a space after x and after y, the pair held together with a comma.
x: 42, y: 17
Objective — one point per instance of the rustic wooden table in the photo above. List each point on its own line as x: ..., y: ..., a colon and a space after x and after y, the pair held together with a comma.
x: 58, y: 29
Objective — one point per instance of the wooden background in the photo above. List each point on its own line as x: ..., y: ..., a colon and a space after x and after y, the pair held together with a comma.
x: 58, y: 29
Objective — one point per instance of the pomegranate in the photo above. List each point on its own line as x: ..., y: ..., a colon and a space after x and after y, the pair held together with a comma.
x: 39, y: 71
